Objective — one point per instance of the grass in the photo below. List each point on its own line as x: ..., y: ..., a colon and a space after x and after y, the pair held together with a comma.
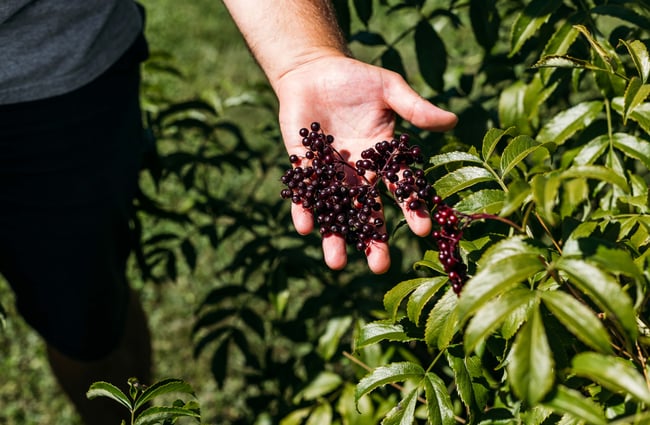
x: 206, y: 46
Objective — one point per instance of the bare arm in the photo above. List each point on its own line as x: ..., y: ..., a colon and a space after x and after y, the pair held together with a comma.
x: 300, y: 48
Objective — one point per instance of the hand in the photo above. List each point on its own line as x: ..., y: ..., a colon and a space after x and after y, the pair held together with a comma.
x: 356, y: 103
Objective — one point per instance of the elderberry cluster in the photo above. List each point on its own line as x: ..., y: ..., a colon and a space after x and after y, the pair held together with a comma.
x: 342, y: 199
x: 448, y: 237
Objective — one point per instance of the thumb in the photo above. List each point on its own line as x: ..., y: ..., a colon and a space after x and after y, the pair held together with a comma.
x: 408, y: 104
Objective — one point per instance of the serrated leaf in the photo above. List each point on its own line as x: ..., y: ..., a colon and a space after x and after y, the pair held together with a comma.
x: 636, y: 93
x: 486, y: 201
x: 106, y: 389
x: 579, y: 319
x: 492, y: 138
x: 440, y: 410
x: 431, y: 55
x: 394, y: 297
x: 591, y: 150
x: 633, y: 147
x: 460, y: 179
x: 518, y: 192
x: 530, y: 364
x: 595, y: 45
x: 491, y: 315
x: 564, y: 61
x: 467, y: 375
x: 374, y: 332
x: 640, y: 57
x: 380, y: 376
x: 528, y: 22
x: 572, y: 402
x: 614, y: 373
x: 603, y: 289
x: 641, y: 114
x: 442, y: 323
x: 158, y: 414
x: 404, y: 412
x: 512, y: 107
x: 516, y: 151
x: 503, y: 266
x: 451, y: 157
x: 165, y: 386
x: 566, y: 123
x: 421, y: 296
x: 597, y: 172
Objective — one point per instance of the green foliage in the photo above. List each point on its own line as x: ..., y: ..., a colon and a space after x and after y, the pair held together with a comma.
x: 139, y: 397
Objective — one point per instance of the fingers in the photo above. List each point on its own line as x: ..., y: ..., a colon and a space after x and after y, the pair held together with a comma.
x: 334, y: 252
x: 414, y: 108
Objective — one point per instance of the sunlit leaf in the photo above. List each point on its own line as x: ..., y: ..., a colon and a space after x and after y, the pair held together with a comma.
x: 165, y: 386
x: 421, y: 296
x: 640, y: 114
x: 487, y: 201
x: 440, y: 410
x: 534, y: 15
x: 530, y: 365
x: 516, y: 151
x: 492, y: 138
x: 392, y: 373
x: 394, y: 297
x: 374, y: 332
x: 572, y: 402
x: 451, y: 157
x: 106, y: 389
x: 518, y: 192
x: 491, y: 315
x: 638, y: 51
x: 566, y: 123
x: 404, y: 412
x: 502, y: 267
x: 442, y: 323
x: 564, y: 61
x: 597, y: 172
x: 159, y: 414
x: 328, y: 343
x: 579, y: 319
x: 321, y: 415
x: 614, y: 373
x: 633, y: 147
x: 603, y: 288
x: 635, y: 94
x: 460, y: 179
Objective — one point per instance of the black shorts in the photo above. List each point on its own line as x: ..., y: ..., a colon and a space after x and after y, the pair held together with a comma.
x: 69, y: 169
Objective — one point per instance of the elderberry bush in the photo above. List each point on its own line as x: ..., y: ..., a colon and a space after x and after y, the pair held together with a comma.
x: 343, y: 197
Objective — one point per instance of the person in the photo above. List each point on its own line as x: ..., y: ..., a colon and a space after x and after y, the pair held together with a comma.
x: 71, y: 146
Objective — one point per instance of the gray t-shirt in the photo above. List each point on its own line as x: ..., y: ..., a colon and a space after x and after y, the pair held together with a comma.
x: 51, y: 47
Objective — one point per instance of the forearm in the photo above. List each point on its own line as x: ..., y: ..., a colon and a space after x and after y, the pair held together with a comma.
x: 284, y: 34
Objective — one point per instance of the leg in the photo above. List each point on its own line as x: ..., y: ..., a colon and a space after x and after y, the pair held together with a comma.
x: 132, y: 358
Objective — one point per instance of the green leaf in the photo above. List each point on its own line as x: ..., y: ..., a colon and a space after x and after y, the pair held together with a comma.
x: 467, y: 376
x: 492, y: 138
x: 460, y: 179
x: 635, y: 93
x: 165, y: 386
x: 512, y: 107
x: 560, y: 41
x: 564, y: 61
x: 380, y: 376
x: 328, y: 343
x: 518, y: 192
x: 394, y: 297
x: 321, y: 415
x: 530, y: 365
x: 421, y: 296
x: 106, y: 389
x: 451, y: 157
x: 641, y: 114
x: 572, y: 402
x: 516, y: 151
x: 596, y: 46
x: 529, y: 21
x: 597, y: 172
x: 591, y: 150
x: 639, y: 54
x: 492, y: 314
x: 579, y: 319
x: 603, y: 288
x: 442, y: 323
x: 404, y: 412
x: 321, y: 385
x: 440, y: 410
x: 633, y: 147
x: 486, y: 201
x: 611, y: 372
x: 503, y: 266
x: 566, y: 123
x: 374, y: 332
x: 157, y: 415
x: 431, y: 55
